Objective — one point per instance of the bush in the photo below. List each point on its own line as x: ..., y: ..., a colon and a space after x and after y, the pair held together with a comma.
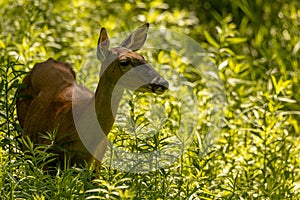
x: 255, y: 46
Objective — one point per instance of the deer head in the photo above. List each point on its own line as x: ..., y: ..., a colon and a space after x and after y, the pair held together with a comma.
x: 122, y: 64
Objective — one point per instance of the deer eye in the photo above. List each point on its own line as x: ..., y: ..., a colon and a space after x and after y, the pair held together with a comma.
x: 124, y: 63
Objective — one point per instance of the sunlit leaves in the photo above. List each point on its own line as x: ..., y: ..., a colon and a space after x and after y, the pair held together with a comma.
x: 255, y: 45
x: 211, y: 40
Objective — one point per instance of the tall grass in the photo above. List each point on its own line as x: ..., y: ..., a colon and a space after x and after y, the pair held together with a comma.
x: 254, y: 44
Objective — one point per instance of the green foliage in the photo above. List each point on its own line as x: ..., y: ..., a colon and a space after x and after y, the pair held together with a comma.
x: 255, y: 45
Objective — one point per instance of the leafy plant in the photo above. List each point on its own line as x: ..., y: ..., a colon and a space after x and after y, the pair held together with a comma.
x: 255, y: 46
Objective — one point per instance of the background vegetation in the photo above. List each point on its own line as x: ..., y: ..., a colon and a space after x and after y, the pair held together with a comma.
x: 255, y: 45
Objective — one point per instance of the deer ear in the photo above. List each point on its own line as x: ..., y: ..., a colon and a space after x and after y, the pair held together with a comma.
x: 136, y: 39
x: 103, y: 45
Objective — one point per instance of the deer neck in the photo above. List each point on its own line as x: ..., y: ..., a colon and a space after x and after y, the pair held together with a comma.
x: 107, y: 99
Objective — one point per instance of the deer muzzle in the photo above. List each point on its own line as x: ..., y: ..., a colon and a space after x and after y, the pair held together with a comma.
x: 158, y: 85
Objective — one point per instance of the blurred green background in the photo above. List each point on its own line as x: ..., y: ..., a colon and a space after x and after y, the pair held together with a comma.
x: 255, y: 47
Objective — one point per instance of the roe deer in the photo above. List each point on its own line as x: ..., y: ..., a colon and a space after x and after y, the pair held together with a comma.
x: 51, y: 93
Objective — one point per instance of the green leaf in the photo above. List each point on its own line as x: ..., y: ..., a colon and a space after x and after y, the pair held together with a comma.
x: 236, y: 40
x: 211, y: 40
x: 2, y: 45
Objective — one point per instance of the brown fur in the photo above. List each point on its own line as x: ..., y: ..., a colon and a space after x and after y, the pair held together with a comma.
x: 51, y: 94
x: 46, y: 104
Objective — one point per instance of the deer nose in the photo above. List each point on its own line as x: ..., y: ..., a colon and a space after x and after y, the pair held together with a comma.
x: 159, y: 85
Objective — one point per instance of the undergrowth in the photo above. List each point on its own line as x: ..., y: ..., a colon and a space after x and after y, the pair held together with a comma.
x: 255, y: 46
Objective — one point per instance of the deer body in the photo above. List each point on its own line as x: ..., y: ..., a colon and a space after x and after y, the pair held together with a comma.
x: 52, y: 94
